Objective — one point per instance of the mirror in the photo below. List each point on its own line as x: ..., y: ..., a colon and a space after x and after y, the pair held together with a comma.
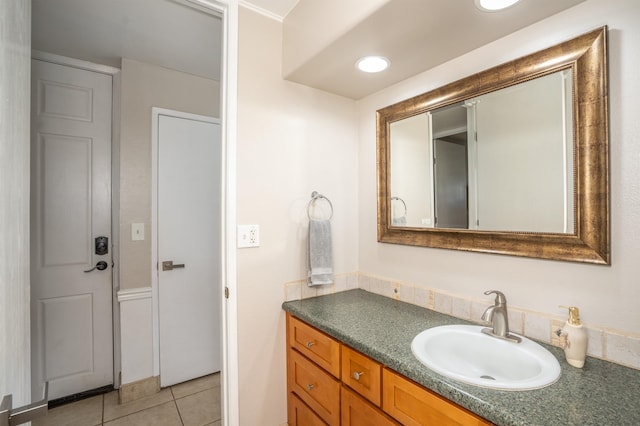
x: 515, y: 172
x: 512, y: 160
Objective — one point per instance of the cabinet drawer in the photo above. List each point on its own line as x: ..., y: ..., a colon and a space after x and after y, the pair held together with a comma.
x: 414, y: 405
x: 315, y: 387
x: 362, y: 374
x: 315, y: 345
x: 300, y: 414
x: 356, y: 411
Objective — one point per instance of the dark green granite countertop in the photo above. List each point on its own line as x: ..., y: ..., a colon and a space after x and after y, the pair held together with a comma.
x: 601, y: 393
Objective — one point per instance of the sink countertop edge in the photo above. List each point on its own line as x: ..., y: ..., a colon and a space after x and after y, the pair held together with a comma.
x: 328, y: 314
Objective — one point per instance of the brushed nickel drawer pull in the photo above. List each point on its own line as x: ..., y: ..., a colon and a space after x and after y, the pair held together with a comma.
x: 309, y: 344
x: 310, y: 386
x: 357, y: 375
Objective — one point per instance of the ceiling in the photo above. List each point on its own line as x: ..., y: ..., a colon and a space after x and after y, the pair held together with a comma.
x: 416, y: 35
x: 321, y: 39
x: 152, y: 31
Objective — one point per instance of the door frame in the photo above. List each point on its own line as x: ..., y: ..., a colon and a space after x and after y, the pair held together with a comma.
x: 115, y: 186
x: 227, y: 10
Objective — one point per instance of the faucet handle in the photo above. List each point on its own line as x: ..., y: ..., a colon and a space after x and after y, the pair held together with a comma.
x: 500, y: 297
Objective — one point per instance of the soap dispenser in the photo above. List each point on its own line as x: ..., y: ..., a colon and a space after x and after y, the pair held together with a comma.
x: 575, y: 339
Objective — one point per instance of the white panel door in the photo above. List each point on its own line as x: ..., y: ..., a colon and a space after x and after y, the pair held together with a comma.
x: 188, y: 233
x: 71, y: 311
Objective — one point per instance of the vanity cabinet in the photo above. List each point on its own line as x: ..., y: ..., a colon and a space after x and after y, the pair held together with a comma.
x: 414, y: 405
x: 329, y: 383
x: 356, y: 411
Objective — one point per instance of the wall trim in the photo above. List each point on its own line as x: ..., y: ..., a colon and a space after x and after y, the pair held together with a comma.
x: 139, y: 389
x: 134, y: 294
x: 261, y: 11
x: 72, y: 62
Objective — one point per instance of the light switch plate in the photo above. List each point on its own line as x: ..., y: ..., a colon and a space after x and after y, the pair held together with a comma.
x: 248, y: 236
x: 137, y: 231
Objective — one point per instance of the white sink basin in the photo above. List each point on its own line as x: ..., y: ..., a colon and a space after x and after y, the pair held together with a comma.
x: 464, y: 353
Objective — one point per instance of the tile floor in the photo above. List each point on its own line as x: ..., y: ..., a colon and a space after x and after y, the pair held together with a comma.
x: 193, y: 403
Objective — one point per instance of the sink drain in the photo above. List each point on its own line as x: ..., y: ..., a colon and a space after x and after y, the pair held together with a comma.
x: 487, y: 377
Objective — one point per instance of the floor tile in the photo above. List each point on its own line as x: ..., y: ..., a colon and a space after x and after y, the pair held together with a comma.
x: 161, y: 415
x: 196, y: 385
x: 201, y: 408
x: 87, y: 412
x: 113, y: 410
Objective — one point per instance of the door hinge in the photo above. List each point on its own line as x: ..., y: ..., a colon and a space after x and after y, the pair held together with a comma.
x: 226, y: 292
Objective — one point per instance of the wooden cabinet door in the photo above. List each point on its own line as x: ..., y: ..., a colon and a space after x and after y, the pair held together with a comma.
x: 414, y: 405
x: 315, y: 387
x: 362, y: 374
x: 300, y: 414
x: 314, y: 344
x: 356, y: 411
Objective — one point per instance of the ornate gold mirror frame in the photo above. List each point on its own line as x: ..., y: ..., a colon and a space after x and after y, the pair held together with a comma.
x: 586, y: 56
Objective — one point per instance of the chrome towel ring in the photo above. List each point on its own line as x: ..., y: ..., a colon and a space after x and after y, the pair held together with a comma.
x: 315, y: 196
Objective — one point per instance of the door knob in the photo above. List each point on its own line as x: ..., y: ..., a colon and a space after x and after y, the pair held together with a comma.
x: 168, y: 265
x: 100, y: 266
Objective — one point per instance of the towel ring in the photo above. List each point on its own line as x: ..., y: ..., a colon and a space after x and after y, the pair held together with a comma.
x: 314, y: 197
x: 403, y: 203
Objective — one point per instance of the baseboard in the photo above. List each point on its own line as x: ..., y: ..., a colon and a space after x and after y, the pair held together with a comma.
x: 142, y: 388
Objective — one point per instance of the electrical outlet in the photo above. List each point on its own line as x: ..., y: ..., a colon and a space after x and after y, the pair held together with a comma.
x: 248, y: 236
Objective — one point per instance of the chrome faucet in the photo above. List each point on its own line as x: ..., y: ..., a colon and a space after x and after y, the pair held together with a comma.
x: 497, y: 316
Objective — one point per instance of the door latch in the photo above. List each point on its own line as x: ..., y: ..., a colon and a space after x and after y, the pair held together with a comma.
x: 100, y: 266
x: 17, y: 416
x: 168, y: 265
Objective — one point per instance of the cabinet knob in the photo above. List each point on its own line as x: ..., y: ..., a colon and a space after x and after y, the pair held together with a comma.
x: 309, y: 344
x: 357, y: 375
x: 310, y: 386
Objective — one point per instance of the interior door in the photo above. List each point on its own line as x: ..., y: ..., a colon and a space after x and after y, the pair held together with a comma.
x: 451, y: 184
x: 71, y: 303
x: 188, y: 235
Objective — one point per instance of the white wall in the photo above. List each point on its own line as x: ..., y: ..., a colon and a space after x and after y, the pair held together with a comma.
x: 411, y: 174
x: 145, y: 86
x: 292, y: 140
x: 607, y: 295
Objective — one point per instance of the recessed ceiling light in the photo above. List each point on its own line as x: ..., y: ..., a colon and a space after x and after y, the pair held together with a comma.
x: 373, y: 63
x: 494, y: 5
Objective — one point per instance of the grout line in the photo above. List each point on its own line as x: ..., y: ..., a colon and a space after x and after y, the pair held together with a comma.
x: 175, y: 403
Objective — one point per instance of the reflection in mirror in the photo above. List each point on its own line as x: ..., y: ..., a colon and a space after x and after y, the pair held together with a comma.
x: 511, y: 160
x: 515, y: 172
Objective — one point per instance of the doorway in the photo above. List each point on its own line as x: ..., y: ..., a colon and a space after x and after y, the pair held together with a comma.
x: 228, y: 11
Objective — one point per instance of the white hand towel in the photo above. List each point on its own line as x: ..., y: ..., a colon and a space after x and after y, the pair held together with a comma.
x: 320, y: 254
